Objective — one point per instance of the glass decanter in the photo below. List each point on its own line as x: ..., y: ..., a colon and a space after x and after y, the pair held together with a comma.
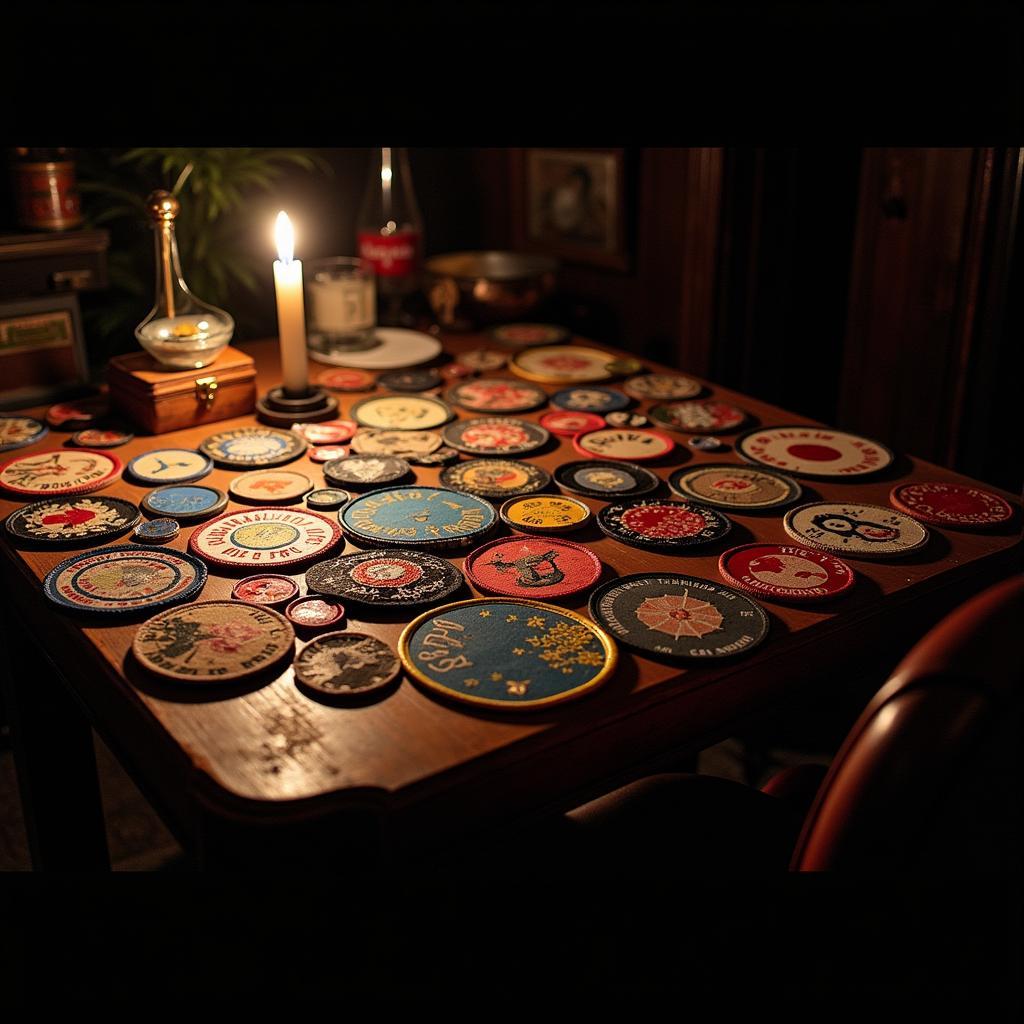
x: 181, y: 332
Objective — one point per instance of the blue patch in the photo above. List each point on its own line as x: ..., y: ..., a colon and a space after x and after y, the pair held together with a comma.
x: 506, y: 652
x: 590, y: 399
x: 183, y: 500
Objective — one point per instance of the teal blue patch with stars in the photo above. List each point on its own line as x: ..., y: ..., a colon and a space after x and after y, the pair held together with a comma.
x: 507, y: 653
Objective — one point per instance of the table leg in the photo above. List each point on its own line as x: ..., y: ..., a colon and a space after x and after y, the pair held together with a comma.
x: 54, y: 757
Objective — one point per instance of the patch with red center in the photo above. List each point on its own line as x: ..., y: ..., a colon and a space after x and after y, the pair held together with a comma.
x: 814, y: 451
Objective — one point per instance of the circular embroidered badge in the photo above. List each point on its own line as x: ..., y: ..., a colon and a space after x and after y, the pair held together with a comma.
x: 266, y: 588
x: 495, y: 395
x: 393, y: 579
x: 628, y: 445
x: 605, y: 480
x: 264, y: 537
x: 495, y: 435
x: 495, y: 478
x: 561, y: 364
x: 124, y: 578
x: 253, y: 446
x: 679, y: 616
x: 185, y: 501
x: 63, y: 472
x: 599, y: 400
x: 352, y: 665
x: 403, y: 443
x: 545, y: 513
x: 662, y: 387
x: 214, y: 641
x: 953, y: 505
x: 662, y: 525
x: 73, y: 520
x: 506, y: 653
x: 784, y: 572
x: 527, y: 335
x: 740, y: 488
x: 705, y: 416
x: 278, y: 486
x: 401, y: 412
x: 536, y: 567
x: 366, y: 470
x: 855, y: 529
x: 814, y: 451
x: 170, y: 466
x: 568, y: 424
x: 20, y: 431
x: 346, y: 380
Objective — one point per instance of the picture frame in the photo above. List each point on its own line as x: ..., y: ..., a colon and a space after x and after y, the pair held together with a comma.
x: 42, y: 350
x: 571, y: 204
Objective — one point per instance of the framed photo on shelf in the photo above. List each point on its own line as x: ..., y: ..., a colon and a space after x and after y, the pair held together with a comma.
x: 571, y: 204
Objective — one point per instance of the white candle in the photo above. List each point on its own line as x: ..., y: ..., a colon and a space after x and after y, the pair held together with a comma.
x: 291, y: 316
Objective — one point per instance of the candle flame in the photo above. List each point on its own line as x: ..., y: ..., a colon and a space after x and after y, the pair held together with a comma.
x: 284, y: 235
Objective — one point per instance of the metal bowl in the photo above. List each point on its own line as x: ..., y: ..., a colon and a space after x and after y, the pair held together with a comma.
x: 469, y: 289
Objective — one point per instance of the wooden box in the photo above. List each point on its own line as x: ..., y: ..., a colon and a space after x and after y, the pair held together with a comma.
x: 158, y: 400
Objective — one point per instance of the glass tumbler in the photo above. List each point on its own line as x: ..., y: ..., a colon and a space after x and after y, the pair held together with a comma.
x: 341, y: 300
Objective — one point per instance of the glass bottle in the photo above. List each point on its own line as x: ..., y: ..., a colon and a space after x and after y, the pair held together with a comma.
x: 181, y: 332
x: 389, y: 233
x: 46, y: 189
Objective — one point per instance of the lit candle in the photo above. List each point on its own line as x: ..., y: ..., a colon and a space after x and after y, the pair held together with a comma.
x: 291, y: 316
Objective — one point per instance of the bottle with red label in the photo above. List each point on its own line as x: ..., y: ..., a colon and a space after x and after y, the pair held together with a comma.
x: 389, y: 232
x: 45, y: 188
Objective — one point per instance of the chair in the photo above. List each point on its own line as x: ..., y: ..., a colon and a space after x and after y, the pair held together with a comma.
x: 925, y: 782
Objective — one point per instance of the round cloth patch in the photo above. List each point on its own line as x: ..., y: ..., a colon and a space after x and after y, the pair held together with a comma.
x: 157, y: 531
x: 409, y: 380
x: 599, y: 400
x: 679, y: 616
x: 96, y: 438
x: 266, y: 589
x: 605, y: 480
x: 271, y: 486
x: 327, y: 453
x: 401, y: 412
x: 63, y: 472
x: 213, y: 641
x: 481, y: 360
x: 785, y: 573
x: 740, y: 488
x: 417, y: 516
x: 662, y: 387
x: 494, y: 395
x: 170, y: 466
x: 393, y: 579
x: 495, y: 435
x: 662, y: 525
x: 314, y: 613
x: 541, y: 568
x: 264, y: 537
x: 124, y: 579
x: 706, y: 416
x: 20, y: 431
x: 814, y: 452
x: 403, y: 443
x: 346, y: 665
x: 73, y: 520
x: 326, y: 499
x: 253, y: 446
x: 330, y: 432
x: 185, y: 501
x: 495, y: 478
x: 952, y: 505
x: 568, y: 424
x: 855, y: 529
x: 545, y: 513
x: 506, y: 653
x: 346, y: 380
x: 366, y: 470
x: 561, y: 364
x: 527, y: 335
x: 625, y: 444
x: 77, y: 414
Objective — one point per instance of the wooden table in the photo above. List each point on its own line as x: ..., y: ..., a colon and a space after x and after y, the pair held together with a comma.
x: 265, y: 773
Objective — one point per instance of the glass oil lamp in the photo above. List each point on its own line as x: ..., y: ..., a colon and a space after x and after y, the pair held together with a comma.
x: 181, y: 332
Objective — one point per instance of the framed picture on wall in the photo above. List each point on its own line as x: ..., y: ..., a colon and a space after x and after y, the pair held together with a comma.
x: 571, y: 204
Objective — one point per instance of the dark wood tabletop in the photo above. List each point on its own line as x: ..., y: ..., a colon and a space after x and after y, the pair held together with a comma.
x: 266, y: 753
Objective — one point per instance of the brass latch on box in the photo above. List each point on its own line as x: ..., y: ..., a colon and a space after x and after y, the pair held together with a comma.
x: 206, y: 390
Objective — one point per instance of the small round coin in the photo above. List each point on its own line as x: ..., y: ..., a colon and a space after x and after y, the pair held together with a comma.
x: 661, y: 387
x: 736, y: 487
x: 185, y: 501
x: 266, y: 588
x: 495, y: 478
x: 214, y: 641
x: 855, y: 530
x: 943, y: 504
x: 393, y: 578
x: 679, y: 616
x: 545, y: 513
x: 157, y: 531
x: 362, y: 471
x: 495, y: 435
x: 784, y: 572
x: 662, y: 525
x: 541, y: 568
x: 314, y: 613
x: 594, y: 478
x: 270, y: 487
x: 342, y: 664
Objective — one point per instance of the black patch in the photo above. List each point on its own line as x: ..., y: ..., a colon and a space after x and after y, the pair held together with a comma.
x: 678, y: 527
x: 397, y: 578
x: 597, y: 478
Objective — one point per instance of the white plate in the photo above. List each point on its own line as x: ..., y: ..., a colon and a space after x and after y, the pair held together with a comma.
x: 399, y: 348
